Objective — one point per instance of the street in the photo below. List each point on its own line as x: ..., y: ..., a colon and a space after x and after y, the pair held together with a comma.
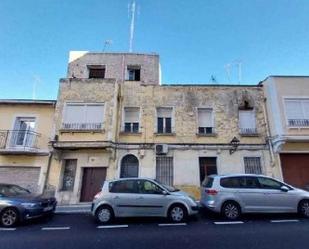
x: 206, y: 231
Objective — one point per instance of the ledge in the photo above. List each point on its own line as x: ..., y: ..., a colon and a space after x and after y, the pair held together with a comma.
x: 165, y: 134
x: 206, y: 135
x: 81, y: 131
x: 123, y: 133
x: 249, y: 135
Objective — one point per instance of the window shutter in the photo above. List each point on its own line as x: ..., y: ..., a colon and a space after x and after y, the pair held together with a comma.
x: 247, y: 119
x: 74, y: 113
x: 94, y: 114
x: 293, y: 109
x: 131, y: 115
x: 306, y: 109
x: 164, y: 112
x: 205, y: 117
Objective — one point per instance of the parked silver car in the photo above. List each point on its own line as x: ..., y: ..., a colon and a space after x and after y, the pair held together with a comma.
x: 232, y: 195
x: 128, y: 197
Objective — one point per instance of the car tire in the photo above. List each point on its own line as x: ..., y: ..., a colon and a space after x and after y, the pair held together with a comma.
x: 231, y: 210
x: 303, y: 208
x: 104, y: 214
x: 177, y: 213
x: 9, y: 217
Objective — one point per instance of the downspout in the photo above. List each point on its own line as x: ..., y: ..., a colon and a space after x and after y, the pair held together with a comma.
x: 50, y: 155
x: 271, y: 151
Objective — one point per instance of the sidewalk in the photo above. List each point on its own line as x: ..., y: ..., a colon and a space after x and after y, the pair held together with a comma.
x: 74, y: 209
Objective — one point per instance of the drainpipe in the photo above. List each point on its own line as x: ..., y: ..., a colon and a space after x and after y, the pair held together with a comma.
x: 50, y: 155
x: 268, y: 133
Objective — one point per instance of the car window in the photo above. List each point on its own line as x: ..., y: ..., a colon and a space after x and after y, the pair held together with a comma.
x: 148, y: 187
x: 208, y: 181
x: 268, y: 183
x: 13, y: 190
x: 125, y: 186
x: 250, y: 182
x: 230, y: 182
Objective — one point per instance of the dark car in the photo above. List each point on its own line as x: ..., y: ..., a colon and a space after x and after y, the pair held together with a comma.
x: 18, y: 204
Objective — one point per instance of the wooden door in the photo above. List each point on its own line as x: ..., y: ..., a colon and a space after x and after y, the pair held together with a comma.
x: 92, y: 183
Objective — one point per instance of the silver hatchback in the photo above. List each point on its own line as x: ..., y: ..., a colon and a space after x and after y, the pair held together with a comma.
x: 232, y: 195
x: 128, y: 197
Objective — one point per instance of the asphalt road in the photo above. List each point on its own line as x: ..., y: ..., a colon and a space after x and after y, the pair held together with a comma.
x: 206, y: 231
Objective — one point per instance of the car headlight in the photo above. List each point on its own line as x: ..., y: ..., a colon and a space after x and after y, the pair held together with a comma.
x: 29, y: 205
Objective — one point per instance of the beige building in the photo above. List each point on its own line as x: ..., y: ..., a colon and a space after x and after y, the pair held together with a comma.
x: 26, y: 127
x: 288, y: 115
x: 114, y: 119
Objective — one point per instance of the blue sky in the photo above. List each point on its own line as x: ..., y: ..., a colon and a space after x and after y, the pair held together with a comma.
x: 195, y: 39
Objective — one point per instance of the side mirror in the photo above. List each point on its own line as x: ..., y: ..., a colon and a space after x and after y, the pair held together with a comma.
x: 164, y: 192
x: 284, y: 189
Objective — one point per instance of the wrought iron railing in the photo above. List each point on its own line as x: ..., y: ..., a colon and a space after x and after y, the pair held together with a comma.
x: 298, y: 122
x: 19, y: 139
x: 82, y: 126
x: 248, y: 131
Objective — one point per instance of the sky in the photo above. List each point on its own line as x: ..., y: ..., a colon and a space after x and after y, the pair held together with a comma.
x: 196, y: 40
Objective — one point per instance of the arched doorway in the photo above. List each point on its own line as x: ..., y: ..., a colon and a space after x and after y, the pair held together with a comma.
x: 129, y: 166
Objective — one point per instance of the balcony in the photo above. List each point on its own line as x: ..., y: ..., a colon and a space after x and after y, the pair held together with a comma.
x: 82, y: 127
x: 19, y: 142
x: 298, y: 122
x: 250, y: 132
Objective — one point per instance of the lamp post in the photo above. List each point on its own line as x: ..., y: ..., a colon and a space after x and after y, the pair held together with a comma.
x: 234, y: 143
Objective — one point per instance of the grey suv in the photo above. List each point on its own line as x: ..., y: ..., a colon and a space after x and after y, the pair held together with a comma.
x: 129, y: 197
x: 232, y: 195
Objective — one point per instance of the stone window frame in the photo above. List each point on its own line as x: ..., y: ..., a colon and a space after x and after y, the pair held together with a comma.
x: 173, y: 121
x: 214, y: 132
x: 122, y: 130
x: 259, y: 155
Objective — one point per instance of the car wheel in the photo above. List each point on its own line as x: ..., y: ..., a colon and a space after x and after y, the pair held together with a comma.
x: 304, y: 208
x: 104, y: 214
x: 231, y: 210
x: 177, y: 213
x: 9, y: 217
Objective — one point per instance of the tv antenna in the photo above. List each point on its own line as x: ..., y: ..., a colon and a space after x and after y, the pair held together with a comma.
x: 37, y: 80
x: 131, y: 12
x: 229, y: 66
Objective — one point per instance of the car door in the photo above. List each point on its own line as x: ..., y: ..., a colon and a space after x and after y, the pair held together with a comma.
x: 250, y: 194
x: 277, y: 200
x: 125, y: 198
x: 151, y: 198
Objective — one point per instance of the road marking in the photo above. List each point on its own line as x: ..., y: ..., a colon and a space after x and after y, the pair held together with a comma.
x: 172, y: 224
x: 116, y: 226
x: 7, y: 229
x: 55, y: 228
x: 228, y: 222
x: 282, y: 221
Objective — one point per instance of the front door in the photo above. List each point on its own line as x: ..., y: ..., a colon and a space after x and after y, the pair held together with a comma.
x: 92, y: 183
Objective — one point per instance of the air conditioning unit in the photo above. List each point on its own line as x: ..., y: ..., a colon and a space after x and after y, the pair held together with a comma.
x: 161, y: 149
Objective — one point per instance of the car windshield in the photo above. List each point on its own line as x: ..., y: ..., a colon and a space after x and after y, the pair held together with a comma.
x: 169, y: 188
x: 12, y: 190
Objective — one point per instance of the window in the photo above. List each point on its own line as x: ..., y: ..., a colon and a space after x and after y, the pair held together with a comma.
x: 297, y: 112
x: 129, y: 166
x: 269, y: 183
x: 208, y: 166
x: 69, y: 174
x: 247, y: 123
x: 147, y: 187
x: 23, y: 133
x: 164, y: 120
x: 80, y: 116
x: 205, y: 121
x: 96, y: 72
x: 165, y: 170
x: 126, y: 186
x: 230, y: 182
x: 134, y: 73
x: 253, y: 165
x: 131, y: 119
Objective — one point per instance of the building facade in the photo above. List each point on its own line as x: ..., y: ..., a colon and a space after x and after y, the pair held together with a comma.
x: 288, y: 115
x: 114, y: 119
x: 26, y: 127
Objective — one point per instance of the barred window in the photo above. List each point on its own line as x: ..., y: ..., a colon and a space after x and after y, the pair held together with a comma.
x: 253, y: 165
x: 164, y: 170
x: 69, y: 174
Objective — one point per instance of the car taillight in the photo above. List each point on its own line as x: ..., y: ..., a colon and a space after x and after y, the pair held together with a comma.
x: 211, y: 191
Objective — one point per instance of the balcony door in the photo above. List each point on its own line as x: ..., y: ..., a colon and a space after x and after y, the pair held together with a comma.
x: 23, y: 133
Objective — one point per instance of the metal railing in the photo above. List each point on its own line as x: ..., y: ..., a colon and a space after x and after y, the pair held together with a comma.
x: 18, y: 139
x: 82, y: 126
x: 298, y: 122
x: 248, y: 131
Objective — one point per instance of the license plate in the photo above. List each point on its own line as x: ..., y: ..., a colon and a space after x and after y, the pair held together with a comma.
x: 48, y: 208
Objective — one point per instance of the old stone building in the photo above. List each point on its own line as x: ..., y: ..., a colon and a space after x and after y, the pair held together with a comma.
x: 114, y: 119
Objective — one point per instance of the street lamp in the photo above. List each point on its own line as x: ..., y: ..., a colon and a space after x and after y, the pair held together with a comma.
x: 234, y: 143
